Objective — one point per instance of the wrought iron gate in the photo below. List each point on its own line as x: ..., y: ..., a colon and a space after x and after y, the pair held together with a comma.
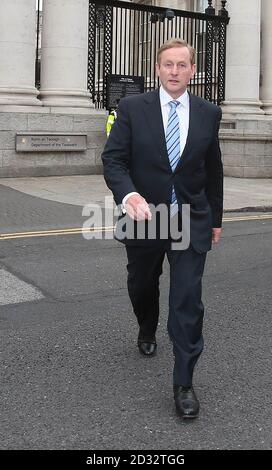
x: 124, y: 38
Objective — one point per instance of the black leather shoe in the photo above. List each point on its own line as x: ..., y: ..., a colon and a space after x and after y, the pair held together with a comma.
x: 187, y: 404
x: 147, y: 348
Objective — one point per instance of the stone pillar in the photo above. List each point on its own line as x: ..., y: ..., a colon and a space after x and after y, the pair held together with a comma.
x: 64, y: 55
x: 266, y: 55
x: 243, y: 58
x: 17, y: 53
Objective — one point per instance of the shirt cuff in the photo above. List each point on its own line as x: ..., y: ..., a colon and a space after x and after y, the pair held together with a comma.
x: 125, y: 200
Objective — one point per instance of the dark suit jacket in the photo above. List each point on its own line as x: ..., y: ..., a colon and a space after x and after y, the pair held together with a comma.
x: 135, y: 159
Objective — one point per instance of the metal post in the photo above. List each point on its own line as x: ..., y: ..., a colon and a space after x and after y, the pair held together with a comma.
x: 222, y: 54
x: 91, y: 52
x: 107, y: 50
x: 209, y: 53
x: 223, y: 12
x: 210, y: 10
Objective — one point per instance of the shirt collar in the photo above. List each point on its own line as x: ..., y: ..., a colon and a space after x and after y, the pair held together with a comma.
x: 165, y: 98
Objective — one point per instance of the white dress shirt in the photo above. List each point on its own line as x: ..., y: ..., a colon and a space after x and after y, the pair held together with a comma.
x: 183, y: 112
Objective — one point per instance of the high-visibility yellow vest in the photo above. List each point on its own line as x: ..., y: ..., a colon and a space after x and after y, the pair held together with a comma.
x: 110, y: 121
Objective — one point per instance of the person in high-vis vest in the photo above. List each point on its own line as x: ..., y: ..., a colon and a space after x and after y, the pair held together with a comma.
x: 110, y: 121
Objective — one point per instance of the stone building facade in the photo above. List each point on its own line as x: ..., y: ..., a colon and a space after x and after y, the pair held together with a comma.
x: 62, y: 106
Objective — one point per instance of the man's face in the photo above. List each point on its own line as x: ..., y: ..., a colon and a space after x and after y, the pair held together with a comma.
x: 175, y: 70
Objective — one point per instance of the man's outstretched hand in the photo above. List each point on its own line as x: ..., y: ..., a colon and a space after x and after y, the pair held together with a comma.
x: 137, y: 208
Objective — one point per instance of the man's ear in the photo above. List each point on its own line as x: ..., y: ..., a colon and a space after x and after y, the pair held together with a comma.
x: 193, y: 70
x: 157, y: 69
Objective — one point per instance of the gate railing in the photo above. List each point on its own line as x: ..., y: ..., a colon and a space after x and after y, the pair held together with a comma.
x: 124, y: 38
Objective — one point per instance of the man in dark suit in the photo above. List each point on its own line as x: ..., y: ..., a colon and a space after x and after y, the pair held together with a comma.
x: 164, y: 150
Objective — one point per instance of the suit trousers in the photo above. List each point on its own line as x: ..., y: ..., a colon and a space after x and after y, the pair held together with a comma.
x: 185, y: 319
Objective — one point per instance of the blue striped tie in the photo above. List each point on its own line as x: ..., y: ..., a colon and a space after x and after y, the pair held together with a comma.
x: 173, y: 147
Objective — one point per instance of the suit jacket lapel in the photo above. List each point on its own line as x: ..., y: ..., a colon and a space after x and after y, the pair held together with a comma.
x: 195, y: 124
x: 155, y: 121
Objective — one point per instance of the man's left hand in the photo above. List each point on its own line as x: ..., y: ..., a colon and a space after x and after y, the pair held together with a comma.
x: 216, y: 234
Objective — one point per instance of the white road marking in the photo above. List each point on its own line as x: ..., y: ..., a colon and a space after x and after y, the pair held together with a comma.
x: 13, y: 290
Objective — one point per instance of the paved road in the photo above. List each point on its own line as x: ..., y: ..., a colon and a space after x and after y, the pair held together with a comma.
x: 71, y: 374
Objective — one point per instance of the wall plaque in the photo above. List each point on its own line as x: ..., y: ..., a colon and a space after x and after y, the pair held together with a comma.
x: 119, y: 86
x: 45, y: 142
